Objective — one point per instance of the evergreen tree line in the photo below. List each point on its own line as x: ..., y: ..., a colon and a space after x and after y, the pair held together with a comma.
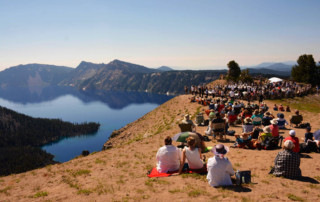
x: 306, y: 71
x: 21, y: 137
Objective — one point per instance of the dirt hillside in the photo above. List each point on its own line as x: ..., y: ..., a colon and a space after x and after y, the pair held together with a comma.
x: 119, y: 173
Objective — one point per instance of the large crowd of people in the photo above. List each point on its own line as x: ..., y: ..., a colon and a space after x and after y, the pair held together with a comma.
x: 234, y: 104
x: 253, y: 91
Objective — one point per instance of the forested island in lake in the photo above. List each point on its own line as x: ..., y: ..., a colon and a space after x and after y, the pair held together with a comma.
x: 21, y: 137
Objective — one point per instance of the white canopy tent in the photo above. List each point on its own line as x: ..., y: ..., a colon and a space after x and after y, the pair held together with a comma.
x: 275, y: 80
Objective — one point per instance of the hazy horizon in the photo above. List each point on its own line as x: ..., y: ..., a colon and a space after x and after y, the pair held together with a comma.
x: 180, y: 34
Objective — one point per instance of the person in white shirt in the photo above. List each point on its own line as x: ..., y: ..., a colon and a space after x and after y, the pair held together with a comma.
x: 193, y: 155
x: 219, y: 167
x: 168, y: 157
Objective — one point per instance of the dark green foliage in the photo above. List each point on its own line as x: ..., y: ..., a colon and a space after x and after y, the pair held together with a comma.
x: 245, y: 76
x: 21, y: 136
x: 234, y: 71
x: 21, y: 130
x: 21, y: 159
x: 306, y: 71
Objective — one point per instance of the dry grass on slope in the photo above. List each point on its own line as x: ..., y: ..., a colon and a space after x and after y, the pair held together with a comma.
x: 119, y: 174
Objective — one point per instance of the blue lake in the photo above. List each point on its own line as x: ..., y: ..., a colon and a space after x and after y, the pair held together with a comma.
x: 112, y: 110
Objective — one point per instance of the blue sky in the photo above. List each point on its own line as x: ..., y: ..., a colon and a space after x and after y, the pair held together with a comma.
x: 178, y: 33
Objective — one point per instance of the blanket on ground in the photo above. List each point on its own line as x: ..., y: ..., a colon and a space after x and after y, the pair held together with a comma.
x: 154, y: 172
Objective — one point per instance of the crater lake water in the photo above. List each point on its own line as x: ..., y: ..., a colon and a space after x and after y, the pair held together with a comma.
x: 112, y: 110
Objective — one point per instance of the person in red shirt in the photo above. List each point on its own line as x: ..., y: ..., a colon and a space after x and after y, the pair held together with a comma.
x: 294, y: 139
x: 274, y: 128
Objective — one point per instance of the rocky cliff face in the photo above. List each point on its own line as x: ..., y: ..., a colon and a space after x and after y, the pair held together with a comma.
x: 119, y: 75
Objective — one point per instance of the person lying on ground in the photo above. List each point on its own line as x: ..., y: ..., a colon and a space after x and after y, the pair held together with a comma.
x: 193, y: 156
x: 168, y: 157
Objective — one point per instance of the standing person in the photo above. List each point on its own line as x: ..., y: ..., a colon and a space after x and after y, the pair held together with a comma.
x: 287, y: 162
x: 261, y: 98
x: 168, y: 157
x: 219, y: 167
x: 232, y: 94
x: 186, y: 89
x: 294, y: 139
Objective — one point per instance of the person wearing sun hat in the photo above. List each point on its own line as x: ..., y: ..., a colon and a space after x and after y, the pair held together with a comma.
x: 266, y: 132
x: 294, y: 139
x: 219, y: 167
x: 287, y: 162
x: 274, y: 128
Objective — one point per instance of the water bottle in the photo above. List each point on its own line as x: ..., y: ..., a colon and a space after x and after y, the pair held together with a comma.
x: 238, y: 180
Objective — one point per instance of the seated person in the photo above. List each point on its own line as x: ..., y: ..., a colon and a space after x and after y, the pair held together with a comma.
x: 218, y: 126
x: 308, y: 136
x: 267, y: 118
x: 247, y: 125
x: 186, y: 120
x: 199, y: 141
x: 219, y: 167
x: 316, y: 137
x: 282, y: 122
x: 294, y: 139
x: 244, y: 141
x: 266, y: 132
x: 275, y: 107
x: 296, y: 118
x: 274, y: 128
x: 168, y: 157
x: 255, y: 133
x: 200, y: 119
x: 311, y: 144
x: 232, y: 117
x: 193, y: 156
x: 287, y: 162
x: 256, y: 118
x: 288, y: 109
x: 211, y: 105
x: 281, y: 108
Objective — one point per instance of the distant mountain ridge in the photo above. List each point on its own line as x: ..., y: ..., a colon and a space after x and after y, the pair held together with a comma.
x: 165, y: 68
x: 33, y: 75
x: 119, y: 75
x: 284, y: 67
